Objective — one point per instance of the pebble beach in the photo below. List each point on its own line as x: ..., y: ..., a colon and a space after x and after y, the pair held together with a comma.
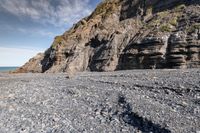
x: 122, y: 101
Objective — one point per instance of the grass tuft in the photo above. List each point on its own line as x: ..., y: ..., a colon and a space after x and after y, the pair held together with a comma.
x: 57, y: 40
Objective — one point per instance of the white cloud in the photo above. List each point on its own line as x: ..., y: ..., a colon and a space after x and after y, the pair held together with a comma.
x: 58, y: 13
x: 30, y: 31
x: 36, y: 31
x: 16, y: 56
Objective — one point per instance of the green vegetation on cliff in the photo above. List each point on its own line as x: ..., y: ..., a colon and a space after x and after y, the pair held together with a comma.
x: 57, y: 40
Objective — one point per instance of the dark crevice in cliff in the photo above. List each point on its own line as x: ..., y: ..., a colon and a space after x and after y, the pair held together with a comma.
x: 98, y: 46
x: 95, y: 42
x: 48, y: 60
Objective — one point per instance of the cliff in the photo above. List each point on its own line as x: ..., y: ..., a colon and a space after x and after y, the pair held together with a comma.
x: 127, y: 34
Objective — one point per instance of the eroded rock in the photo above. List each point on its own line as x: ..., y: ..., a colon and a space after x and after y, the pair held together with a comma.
x: 128, y: 34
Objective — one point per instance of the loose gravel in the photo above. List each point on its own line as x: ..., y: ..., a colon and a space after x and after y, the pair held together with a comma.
x: 157, y: 101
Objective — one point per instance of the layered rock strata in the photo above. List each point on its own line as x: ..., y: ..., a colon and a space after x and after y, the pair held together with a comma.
x: 128, y: 34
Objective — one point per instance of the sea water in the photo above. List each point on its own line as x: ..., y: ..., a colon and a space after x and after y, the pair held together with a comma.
x: 7, y: 69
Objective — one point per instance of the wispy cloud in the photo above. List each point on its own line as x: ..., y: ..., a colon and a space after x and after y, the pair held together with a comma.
x: 36, y: 31
x: 54, y: 12
x: 16, y: 56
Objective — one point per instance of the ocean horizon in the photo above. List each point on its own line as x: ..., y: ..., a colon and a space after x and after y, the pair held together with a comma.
x: 7, y: 69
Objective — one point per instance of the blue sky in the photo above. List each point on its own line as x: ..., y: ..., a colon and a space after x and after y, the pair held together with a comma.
x: 29, y: 26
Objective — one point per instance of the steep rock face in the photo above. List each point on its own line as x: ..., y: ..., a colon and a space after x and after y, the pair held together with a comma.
x: 127, y: 34
x: 33, y: 65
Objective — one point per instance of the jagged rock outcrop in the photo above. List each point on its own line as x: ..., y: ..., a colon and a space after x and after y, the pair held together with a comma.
x: 33, y: 65
x: 127, y: 34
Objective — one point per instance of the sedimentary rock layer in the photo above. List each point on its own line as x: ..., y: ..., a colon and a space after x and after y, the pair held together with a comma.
x: 128, y: 34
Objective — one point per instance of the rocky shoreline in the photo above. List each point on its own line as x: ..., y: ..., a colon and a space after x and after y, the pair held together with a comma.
x: 122, y: 101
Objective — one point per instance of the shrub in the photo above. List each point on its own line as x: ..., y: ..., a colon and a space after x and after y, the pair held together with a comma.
x: 165, y: 28
x: 57, y: 40
x: 173, y: 21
